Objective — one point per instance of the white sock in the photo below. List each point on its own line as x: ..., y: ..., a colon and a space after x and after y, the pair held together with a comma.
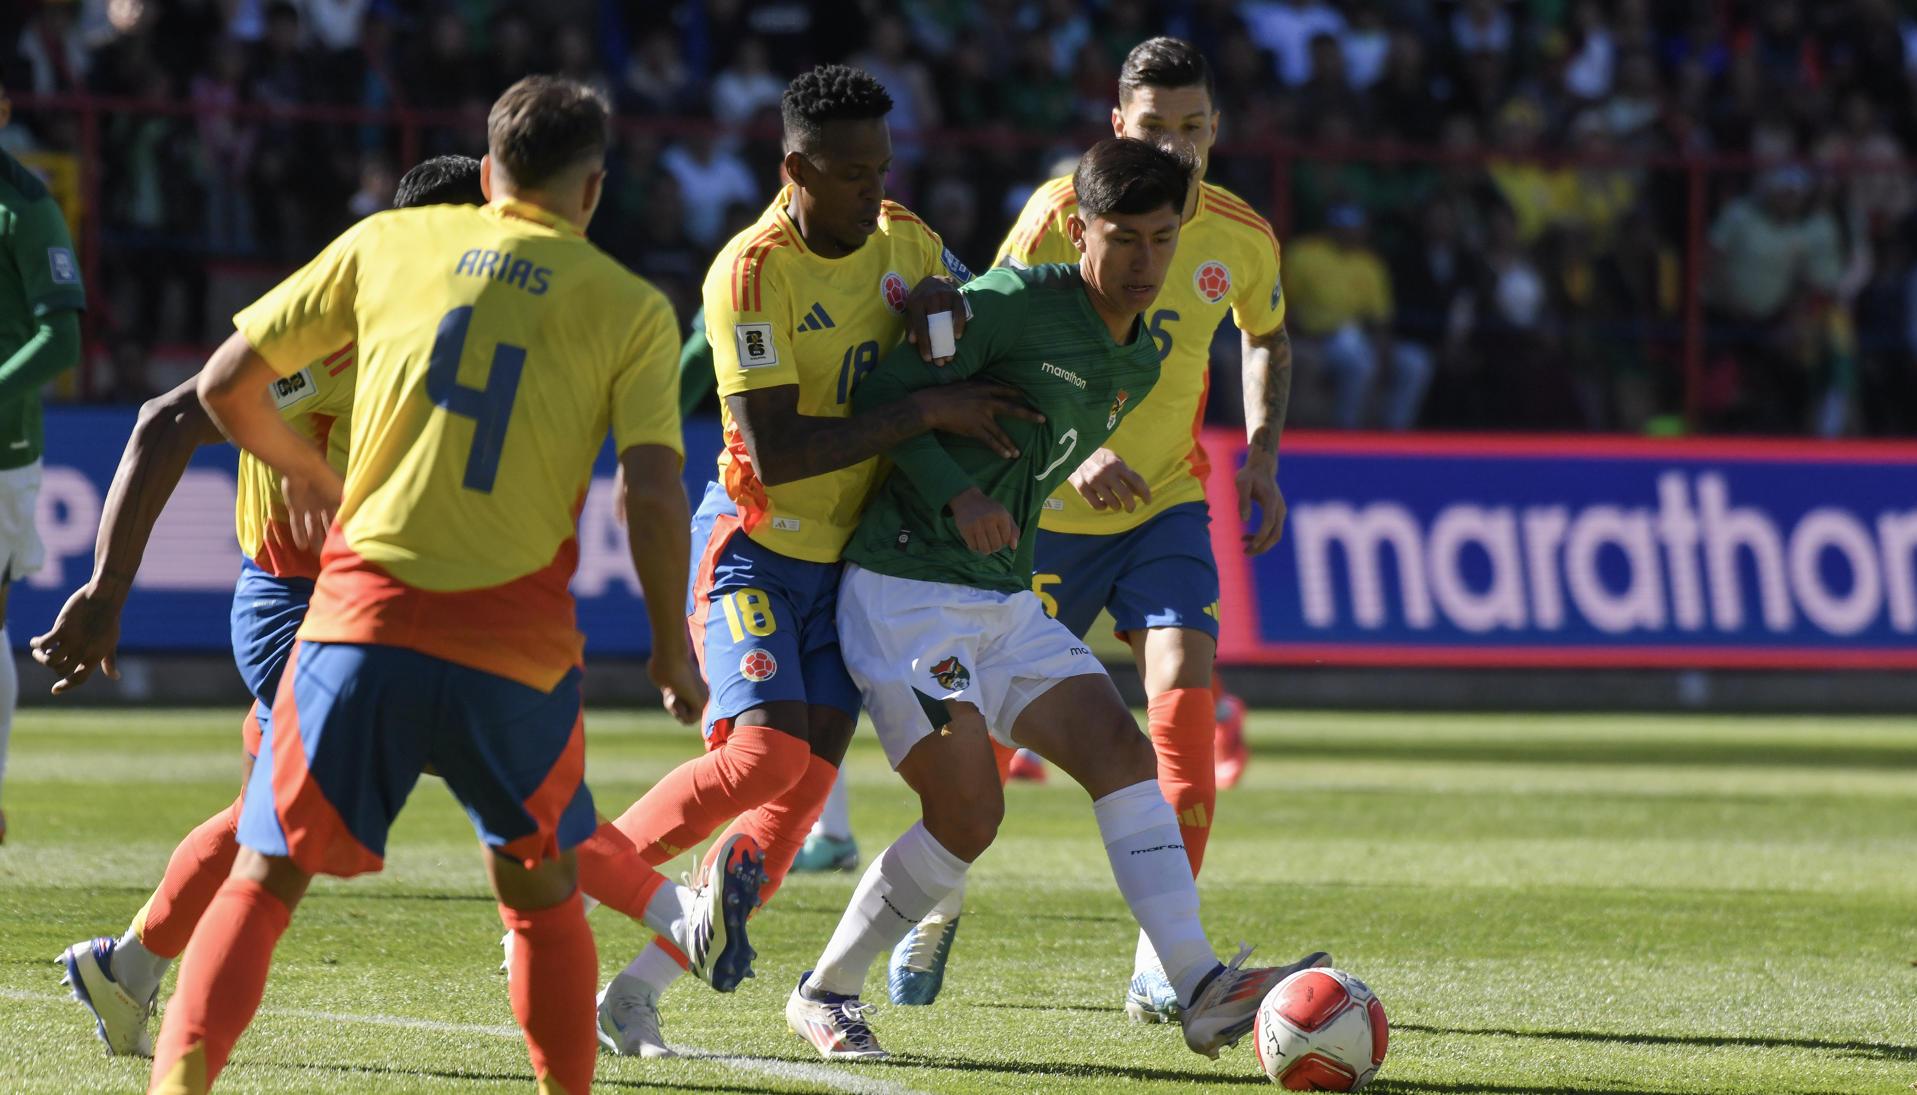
x: 9, y: 695
x: 655, y: 968
x: 1148, y: 860
x: 903, y: 884
x: 1144, y: 958
x: 137, y: 969
x: 588, y: 902
x: 670, y: 913
x: 835, y: 820
x: 950, y: 905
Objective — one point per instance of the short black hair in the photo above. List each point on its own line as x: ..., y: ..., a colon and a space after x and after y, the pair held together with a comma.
x: 543, y: 125
x: 1121, y: 175
x: 829, y: 93
x: 442, y: 180
x: 1164, y: 62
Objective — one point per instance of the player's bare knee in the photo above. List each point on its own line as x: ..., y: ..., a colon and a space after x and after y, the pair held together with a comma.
x: 831, y: 731
x: 966, y: 823
x: 276, y: 874
x: 1176, y: 657
x: 549, y: 882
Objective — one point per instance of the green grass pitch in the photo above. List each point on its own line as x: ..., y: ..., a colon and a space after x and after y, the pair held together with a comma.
x: 1546, y: 905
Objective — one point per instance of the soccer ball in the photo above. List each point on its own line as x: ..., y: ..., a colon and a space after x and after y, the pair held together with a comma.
x: 1321, y: 1030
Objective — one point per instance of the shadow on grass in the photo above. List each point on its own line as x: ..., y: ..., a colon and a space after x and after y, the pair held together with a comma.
x: 1064, y: 1068
x: 1634, y: 753
x: 1421, y: 1087
x: 1879, y: 1050
x: 599, y: 1082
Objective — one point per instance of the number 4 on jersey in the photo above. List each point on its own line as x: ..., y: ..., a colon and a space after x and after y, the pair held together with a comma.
x: 490, y: 407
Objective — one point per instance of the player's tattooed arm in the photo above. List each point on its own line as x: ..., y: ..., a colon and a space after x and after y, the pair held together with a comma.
x: 86, y: 633
x: 1267, y: 379
x: 786, y: 445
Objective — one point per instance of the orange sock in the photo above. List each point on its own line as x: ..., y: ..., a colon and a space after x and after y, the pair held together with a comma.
x: 613, y: 873
x: 1002, y: 756
x: 755, y: 765
x: 221, y: 981
x: 193, y: 875
x: 781, y: 826
x: 555, y: 970
x: 1182, y: 724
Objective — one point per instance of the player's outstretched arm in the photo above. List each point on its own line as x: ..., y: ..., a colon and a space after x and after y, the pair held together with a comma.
x: 235, y: 388
x: 87, y: 630
x: 657, y: 524
x: 1267, y: 360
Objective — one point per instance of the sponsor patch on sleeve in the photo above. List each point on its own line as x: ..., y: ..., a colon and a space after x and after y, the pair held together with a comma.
x: 66, y: 271
x: 290, y: 391
x: 955, y: 266
x: 756, y: 348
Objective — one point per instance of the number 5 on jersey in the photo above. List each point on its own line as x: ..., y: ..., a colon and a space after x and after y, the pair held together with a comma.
x: 490, y: 407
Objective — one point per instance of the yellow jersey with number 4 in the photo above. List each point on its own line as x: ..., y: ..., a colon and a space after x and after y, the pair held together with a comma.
x: 777, y: 313
x: 1227, y: 260
x: 496, y: 347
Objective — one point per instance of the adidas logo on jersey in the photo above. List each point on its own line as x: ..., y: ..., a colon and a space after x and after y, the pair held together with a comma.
x: 816, y: 320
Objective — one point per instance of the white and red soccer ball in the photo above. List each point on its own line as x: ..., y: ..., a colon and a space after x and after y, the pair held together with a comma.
x: 1321, y: 1030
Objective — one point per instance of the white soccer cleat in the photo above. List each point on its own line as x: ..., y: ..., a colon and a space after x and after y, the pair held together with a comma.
x: 118, y: 1018
x: 832, y: 1024
x: 629, y: 1019
x: 1227, y: 1002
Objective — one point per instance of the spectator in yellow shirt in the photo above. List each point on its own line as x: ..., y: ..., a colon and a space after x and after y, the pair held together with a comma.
x: 1341, y: 309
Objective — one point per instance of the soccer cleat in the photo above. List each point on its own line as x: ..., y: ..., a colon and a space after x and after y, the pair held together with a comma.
x: 917, y: 969
x: 718, y: 952
x: 1229, y: 753
x: 1150, y: 997
x: 1026, y: 767
x: 118, y: 1018
x: 629, y: 1019
x: 1226, y: 1005
x: 834, y: 1025
x: 826, y: 853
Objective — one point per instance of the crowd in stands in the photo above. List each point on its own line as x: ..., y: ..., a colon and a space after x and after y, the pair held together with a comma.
x: 1487, y: 205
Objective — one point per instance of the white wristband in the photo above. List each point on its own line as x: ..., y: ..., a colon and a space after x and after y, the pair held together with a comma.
x: 939, y: 327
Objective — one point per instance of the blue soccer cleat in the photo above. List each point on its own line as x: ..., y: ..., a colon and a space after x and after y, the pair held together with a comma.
x: 719, y: 953
x: 826, y: 853
x: 1150, y: 997
x: 917, y: 970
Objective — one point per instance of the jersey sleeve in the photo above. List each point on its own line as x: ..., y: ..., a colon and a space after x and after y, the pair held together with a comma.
x: 998, y: 304
x: 695, y: 366
x: 749, y: 325
x: 43, y: 253
x: 324, y: 386
x: 1258, y: 307
x: 310, y: 314
x: 1040, y: 235
x: 645, y: 391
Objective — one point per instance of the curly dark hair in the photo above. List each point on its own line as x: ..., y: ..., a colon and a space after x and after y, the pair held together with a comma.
x: 1121, y: 175
x: 829, y: 93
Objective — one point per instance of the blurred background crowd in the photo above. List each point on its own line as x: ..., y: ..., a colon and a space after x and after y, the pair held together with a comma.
x: 1621, y: 215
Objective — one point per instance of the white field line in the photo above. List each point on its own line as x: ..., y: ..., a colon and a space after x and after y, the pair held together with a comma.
x: 836, y: 1079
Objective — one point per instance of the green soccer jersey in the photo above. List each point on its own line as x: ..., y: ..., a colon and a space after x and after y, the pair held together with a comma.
x: 38, y: 277
x: 1036, y: 330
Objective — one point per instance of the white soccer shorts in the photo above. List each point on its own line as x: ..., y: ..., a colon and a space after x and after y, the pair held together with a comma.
x: 912, y: 645
x: 21, y: 552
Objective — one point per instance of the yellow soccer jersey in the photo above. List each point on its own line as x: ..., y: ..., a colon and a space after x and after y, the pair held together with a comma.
x: 317, y: 401
x: 496, y: 346
x: 778, y: 314
x: 1227, y: 258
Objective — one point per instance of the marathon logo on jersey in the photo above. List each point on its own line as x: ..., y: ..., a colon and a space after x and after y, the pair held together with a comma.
x: 756, y: 348
x: 1118, y: 407
x: 1066, y: 375
x: 65, y: 270
x: 290, y: 391
x: 952, y: 675
x: 893, y: 290
x: 483, y: 262
x: 1212, y: 280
